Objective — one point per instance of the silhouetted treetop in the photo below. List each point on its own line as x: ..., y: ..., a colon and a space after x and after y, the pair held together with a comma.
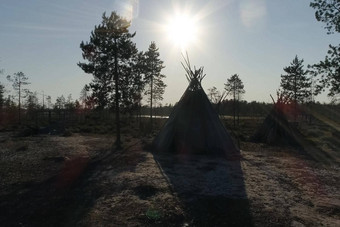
x: 328, y: 11
x: 329, y: 72
x: 294, y: 82
x: 110, y: 56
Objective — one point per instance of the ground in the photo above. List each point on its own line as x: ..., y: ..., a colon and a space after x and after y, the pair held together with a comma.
x: 80, y: 180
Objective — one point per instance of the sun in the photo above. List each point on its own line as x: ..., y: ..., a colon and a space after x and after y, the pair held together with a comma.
x: 182, y: 30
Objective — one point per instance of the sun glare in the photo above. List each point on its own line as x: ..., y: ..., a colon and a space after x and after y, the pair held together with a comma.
x: 182, y: 30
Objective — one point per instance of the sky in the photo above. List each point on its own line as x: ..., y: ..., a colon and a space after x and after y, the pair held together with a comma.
x: 255, y: 39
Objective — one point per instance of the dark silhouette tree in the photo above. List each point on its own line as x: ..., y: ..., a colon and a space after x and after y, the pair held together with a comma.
x: 60, y: 102
x: 329, y: 72
x: 2, y: 99
x: 32, y: 101
x: 19, y: 80
x: 108, y: 53
x: 84, y: 95
x: 214, y: 95
x: 138, y: 82
x: 235, y: 88
x: 296, y: 83
x: 153, y: 77
x: 132, y: 81
x: 328, y: 11
x: 77, y: 105
x: 69, y: 104
x: 2, y: 102
x: 49, y: 102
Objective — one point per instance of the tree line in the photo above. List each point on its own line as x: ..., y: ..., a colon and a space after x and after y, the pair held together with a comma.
x: 299, y: 84
x: 123, y: 75
x: 120, y: 72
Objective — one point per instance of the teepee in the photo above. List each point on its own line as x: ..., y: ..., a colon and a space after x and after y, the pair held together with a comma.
x: 276, y: 129
x: 194, y: 126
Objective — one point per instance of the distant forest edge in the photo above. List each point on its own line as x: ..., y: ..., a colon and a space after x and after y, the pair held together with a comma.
x: 125, y: 78
x: 73, y: 114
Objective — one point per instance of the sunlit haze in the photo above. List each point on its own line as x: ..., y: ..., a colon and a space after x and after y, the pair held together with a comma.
x: 253, y: 38
x: 182, y: 30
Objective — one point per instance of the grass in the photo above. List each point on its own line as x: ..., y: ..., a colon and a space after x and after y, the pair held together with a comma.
x: 268, y: 173
x: 153, y: 214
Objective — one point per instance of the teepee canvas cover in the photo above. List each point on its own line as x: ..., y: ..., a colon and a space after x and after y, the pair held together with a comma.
x: 276, y: 129
x: 193, y: 126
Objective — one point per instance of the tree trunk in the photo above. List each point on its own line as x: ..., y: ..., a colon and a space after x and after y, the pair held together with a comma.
x: 295, y: 98
x: 19, y: 101
x: 238, y: 109
x: 151, y: 98
x: 139, y: 114
x: 118, y: 141
x: 234, y: 106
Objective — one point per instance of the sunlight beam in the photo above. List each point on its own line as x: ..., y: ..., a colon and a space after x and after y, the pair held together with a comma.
x: 182, y: 30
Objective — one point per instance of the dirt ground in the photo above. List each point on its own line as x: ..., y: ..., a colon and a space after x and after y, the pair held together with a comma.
x: 80, y: 181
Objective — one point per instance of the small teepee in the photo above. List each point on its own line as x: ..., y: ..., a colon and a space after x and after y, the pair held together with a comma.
x: 276, y: 129
x: 193, y: 126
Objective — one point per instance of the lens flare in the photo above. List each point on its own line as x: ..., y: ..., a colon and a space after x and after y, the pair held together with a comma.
x: 182, y: 30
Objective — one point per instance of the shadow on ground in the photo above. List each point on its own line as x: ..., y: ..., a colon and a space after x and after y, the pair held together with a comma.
x: 64, y: 199
x: 210, y: 189
x: 56, y: 201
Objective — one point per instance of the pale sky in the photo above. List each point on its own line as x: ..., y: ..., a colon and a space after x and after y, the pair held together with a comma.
x: 253, y: 38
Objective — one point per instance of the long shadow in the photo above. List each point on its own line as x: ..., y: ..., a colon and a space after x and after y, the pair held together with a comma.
x: 57, y: 201
x: 312, y: 151
x: 63, y: 199
x: 210, y: 189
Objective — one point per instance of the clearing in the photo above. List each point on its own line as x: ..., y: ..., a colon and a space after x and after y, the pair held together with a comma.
x: 79, y: 181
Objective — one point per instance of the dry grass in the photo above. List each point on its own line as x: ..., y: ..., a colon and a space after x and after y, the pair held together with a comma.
x: 79, y: 180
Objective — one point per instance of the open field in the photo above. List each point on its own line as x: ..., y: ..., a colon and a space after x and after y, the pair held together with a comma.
x: 79, y: 180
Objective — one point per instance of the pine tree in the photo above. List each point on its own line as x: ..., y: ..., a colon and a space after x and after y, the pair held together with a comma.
x: 32, y: 102
x: 60, y: 103
x: 329, y: 73
x: 69, y: 104
x: 295, y: 83
x: 49, y: 101
x: 108, y: 54
x: 138, y: 82
x: 131, y: 82
x: 2, y: 91
x: 214, y: 95
x: 153, y: 77
x: 19, y: 80
x: 235, y: 88
x: 84, y: 95
x: 328, y: 11
x: 2, y: 99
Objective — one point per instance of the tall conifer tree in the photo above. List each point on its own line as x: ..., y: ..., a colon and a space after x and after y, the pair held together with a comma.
x: 295, y: 83
x: 108, y: 54
x: 19, y: 80
x: 153, y: 77
x: 235, y: 88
